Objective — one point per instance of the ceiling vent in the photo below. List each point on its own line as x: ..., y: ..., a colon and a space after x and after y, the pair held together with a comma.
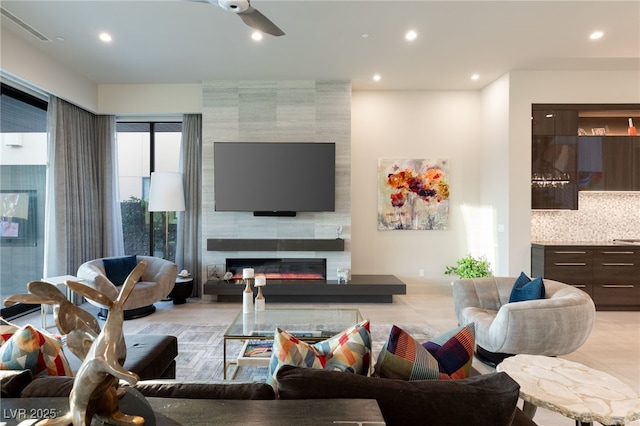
x: 37, y: 34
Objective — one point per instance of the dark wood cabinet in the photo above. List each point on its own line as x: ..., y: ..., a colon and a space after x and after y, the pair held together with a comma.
x: 582, y: 148
x: 608, y: 163
x: 610, y: 274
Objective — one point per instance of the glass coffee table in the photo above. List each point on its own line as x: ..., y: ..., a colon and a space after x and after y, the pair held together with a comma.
x: 310, y: 325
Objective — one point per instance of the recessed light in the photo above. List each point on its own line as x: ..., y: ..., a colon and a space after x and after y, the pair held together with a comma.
x: 60, y: 38
x: 365, y: 35
x: 106, y: 37
x: 596, y: 35
x: 411, y: 35
x: 257, y: 36
x: 475, y: 77
x: 377, y: 77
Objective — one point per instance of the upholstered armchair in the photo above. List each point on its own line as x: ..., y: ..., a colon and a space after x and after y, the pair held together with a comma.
x: 556, y: 325
x: 156, y: 283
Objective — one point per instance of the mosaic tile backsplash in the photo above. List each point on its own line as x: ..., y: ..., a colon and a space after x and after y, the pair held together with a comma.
x: 601, y: 217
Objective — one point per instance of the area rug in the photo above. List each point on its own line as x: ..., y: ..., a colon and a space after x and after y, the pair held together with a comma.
x: 200, y: 349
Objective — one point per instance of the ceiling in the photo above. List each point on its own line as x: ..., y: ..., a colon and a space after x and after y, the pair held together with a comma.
x: 175, y: 41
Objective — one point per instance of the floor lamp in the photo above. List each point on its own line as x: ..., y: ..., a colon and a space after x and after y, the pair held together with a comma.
x: 166, y: 194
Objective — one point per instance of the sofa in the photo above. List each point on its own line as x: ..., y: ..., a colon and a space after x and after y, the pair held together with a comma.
x: 481, y: 400
x: 555, y: 325
x: 107, y: 274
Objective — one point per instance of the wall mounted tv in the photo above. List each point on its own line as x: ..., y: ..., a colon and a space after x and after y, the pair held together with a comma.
x: 274, y: 178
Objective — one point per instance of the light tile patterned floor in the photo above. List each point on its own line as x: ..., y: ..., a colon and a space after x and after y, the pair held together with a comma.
x: 613, y: 347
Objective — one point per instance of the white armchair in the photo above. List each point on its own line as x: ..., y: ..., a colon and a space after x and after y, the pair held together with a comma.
x: 556, y: 325
x: 156, y: 283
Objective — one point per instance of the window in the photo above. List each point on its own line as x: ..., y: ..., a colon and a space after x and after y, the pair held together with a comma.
x: 23, y: 163
x: 145, y: 147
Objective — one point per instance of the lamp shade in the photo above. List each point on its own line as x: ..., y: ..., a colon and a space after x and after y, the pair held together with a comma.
x: 166, y: 192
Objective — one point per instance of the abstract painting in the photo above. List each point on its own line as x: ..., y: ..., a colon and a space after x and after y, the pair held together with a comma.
x: 413, y: 194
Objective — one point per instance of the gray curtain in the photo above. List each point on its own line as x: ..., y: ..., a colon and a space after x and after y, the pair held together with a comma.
x: 188, y: 244
x: 82, y: 212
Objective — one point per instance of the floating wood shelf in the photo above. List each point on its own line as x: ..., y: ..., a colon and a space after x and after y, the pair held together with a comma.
x: 359, y: 289
x: 284, y: 244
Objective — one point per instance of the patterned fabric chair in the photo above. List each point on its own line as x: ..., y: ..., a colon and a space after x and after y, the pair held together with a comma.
x: 156, y: 283
x: 556, y: 325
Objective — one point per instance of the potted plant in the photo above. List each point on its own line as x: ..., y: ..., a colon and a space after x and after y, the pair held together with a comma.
x: 470, y: 267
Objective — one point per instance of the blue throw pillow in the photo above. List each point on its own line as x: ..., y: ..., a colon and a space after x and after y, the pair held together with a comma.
x: 117, y: 269
x: 526, y: 289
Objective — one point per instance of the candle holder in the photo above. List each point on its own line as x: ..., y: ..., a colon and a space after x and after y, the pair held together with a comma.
x: 260, y: 282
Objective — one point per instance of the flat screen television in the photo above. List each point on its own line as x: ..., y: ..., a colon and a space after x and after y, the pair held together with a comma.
x: 274, y: 178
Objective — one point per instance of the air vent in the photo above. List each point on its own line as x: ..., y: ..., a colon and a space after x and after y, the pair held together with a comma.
x: 37, y: 34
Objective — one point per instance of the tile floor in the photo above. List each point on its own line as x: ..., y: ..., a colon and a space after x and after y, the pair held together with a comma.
x: 613, y: 347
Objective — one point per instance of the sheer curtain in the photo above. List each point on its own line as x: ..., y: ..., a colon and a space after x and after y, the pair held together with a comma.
x: 188, y: 244
x: 82, y: 212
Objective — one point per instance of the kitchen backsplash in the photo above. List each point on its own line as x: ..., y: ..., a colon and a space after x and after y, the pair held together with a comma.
x: 601, y: 216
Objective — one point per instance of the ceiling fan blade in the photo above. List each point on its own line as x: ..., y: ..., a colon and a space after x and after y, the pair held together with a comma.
x: 253, y: 18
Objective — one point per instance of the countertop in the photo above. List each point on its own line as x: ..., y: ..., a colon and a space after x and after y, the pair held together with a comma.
x: 583, y: 244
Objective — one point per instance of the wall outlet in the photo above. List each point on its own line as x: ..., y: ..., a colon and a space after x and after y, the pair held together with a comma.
x: 421, y: 272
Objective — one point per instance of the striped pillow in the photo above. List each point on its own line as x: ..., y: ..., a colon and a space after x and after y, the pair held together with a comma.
x: 447, y: 356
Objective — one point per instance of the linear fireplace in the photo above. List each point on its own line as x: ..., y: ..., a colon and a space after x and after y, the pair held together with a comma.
x: 280, y: 269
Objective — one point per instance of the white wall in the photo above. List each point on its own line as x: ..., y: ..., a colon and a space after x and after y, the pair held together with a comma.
x: 24, y: 61
x: 415, y: 125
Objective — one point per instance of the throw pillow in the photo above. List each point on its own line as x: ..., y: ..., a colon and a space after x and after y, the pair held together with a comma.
x: 6, y: 330
x: 448, y: 356
x: 34, y: 350
x: 348, y: 351
x: 526, y: 289
x: 117, y: 269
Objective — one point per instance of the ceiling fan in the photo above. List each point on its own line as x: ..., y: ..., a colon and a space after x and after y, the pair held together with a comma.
x: 250, y: 16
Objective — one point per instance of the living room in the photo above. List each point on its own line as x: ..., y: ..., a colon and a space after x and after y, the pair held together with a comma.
x: 485, y: 133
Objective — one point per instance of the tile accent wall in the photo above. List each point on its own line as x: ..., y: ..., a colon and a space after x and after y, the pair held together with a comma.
x: 601, y: 217
x: 277, y: 111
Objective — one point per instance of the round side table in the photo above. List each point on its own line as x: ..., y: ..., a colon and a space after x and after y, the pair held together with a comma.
x: 182, y: 290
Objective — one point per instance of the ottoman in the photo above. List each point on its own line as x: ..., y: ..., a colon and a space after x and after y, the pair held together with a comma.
x: 150, y: 356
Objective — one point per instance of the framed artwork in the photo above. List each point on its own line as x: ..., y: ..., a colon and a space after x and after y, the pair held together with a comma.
x: 18, y: 217
x: 413, y: 194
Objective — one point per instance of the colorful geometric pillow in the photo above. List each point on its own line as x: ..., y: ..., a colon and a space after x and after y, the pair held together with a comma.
x: 34, y: 350
x: 348, y: 351
x: 526, y: 289
x: 448, y: 356
x: 6, y: 330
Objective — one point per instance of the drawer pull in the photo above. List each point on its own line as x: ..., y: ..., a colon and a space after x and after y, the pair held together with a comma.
x: 617, y: 286
x: 570, y: 252
x: 617, y: 264
x: 579, y: 285
x: 618, y: 252
x: 569, y: 264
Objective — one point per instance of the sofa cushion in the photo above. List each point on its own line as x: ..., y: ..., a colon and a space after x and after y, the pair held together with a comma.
x: 526, y: 289
x: 61, y: 387
x: 117, y: 269
x: 13, y: 381
x: 205, y: 390
x: 447, y: 356
x: 348, y: 351
x: 48, y: 387
x: 40, y: 352
x: 488, y: 399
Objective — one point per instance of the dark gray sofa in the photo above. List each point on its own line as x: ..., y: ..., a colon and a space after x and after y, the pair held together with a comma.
x: 483, y: 400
